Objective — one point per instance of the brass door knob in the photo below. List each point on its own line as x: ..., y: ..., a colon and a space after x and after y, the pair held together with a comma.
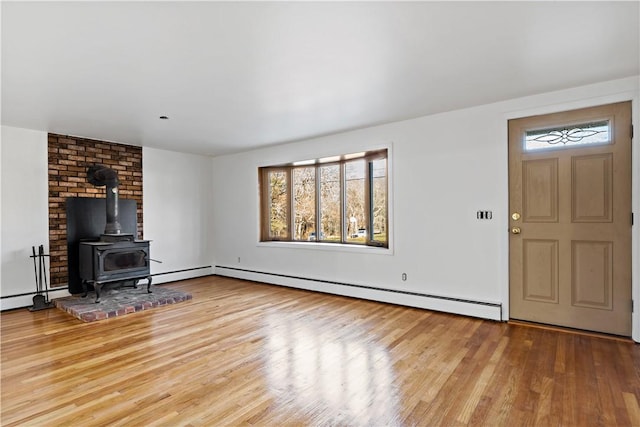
x: 515, y: 230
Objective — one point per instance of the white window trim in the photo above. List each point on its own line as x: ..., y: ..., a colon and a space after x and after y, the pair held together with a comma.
x: 325, y: 246
x: 339, y: 247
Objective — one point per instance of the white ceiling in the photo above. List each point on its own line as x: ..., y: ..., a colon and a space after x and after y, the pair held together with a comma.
x: 236, y: 76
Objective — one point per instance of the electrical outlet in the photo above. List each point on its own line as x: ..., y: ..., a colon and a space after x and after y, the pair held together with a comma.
x: 404, y: 277
x: 238, y: 260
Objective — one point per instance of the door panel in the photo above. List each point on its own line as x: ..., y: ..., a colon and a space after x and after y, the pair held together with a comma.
x: 592, y: 275
x: 540, y: 275
x: 592, y: 188
x: 540, y: 190
x: 570, y: 261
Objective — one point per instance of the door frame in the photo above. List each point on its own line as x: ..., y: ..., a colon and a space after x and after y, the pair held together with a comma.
x: 575, y: 104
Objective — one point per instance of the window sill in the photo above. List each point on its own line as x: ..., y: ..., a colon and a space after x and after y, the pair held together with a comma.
x: 335, y: 247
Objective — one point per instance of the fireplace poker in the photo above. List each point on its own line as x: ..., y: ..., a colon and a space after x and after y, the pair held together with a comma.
x: 35, y: 267
x: 40, y: 270
x: 44, y: 274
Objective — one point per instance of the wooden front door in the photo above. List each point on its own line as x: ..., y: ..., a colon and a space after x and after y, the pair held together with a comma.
x: 570, y: 219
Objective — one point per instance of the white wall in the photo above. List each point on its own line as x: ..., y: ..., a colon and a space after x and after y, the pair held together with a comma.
x: 25, y: 208
x: 445, y: 167
x: 177, y: 205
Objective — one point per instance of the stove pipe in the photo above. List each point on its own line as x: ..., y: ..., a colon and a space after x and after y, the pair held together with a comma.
x: 100, y: 175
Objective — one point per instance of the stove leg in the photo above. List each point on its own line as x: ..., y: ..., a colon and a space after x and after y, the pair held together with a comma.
x: 84, y: 289
x: 149, y: 285
x: 97, y: 287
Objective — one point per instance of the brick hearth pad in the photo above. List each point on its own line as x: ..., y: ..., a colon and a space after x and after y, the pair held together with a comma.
x: 118, y: 302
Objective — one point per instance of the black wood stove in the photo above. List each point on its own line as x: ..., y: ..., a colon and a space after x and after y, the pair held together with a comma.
x: 115, y: 257
x: 104, y: 262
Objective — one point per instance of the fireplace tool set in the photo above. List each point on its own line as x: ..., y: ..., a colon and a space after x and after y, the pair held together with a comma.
x: 40, y: 301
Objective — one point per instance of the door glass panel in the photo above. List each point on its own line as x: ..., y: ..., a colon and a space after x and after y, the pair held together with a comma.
x: 330, y: 204
x: 355, y: 219
x: 304, y: 204
x: 568, y: 136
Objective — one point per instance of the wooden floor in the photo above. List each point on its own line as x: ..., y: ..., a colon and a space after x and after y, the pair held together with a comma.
x: 242, y: 353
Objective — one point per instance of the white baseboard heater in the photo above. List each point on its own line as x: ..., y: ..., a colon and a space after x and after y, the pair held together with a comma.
x: 481, y: 309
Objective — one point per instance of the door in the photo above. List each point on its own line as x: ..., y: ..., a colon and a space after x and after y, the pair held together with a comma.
x: 570, y: 219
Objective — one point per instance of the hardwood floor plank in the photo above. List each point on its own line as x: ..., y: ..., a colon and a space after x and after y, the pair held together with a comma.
x: 633, y: 408
x: 244, y: 353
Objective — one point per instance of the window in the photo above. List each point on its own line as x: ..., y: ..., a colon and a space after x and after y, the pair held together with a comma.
x: 593, y: 133
x: 278, y: 205
x: 304, y: 208
x: 341, y: 199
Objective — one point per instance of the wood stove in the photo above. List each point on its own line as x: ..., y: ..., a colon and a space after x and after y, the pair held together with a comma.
x: 115, y: 256
x: 103, y: 262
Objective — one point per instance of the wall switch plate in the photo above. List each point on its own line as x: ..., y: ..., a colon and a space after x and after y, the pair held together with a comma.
x: 484, y: 215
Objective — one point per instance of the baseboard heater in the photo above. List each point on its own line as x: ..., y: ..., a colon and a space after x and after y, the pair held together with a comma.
x: 28, y: 294
x: 65, y: 289
x: 180, y: 271
x: 482, y: 309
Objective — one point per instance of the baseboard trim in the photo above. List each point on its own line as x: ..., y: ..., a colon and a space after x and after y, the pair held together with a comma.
x: 181, y: 271
x: 183, y: 274
x: 27, y: 294
x: 10, y: 302
x: 467, y: 307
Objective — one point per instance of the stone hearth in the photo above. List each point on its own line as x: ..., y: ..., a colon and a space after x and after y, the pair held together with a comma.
x: 119, y: 302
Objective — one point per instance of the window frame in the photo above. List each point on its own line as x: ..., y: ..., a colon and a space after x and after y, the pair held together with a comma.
x: 370, y: 240
x: 265, y: 207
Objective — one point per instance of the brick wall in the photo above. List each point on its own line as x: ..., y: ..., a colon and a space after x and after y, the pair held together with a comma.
x: 69, y: 158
